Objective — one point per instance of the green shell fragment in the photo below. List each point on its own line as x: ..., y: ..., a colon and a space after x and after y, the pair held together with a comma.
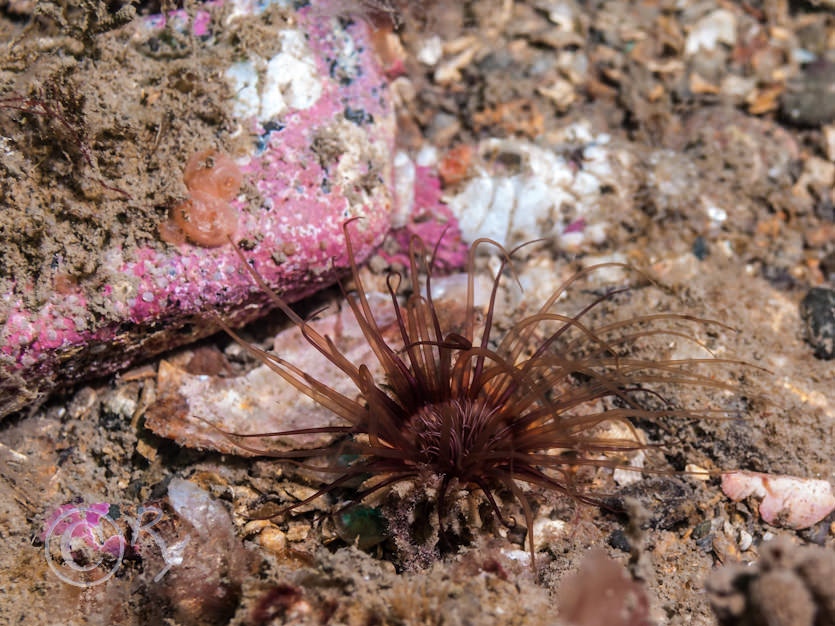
x: 362, y: 525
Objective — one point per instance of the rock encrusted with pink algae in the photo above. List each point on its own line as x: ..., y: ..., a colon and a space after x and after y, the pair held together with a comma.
x: 422, y: 214
x: 316, y: 125
x: 259, y: 401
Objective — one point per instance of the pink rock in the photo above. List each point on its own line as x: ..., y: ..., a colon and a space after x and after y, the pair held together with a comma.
x: 786, y: 500
x: 427, y: 217
x: 324, y: 88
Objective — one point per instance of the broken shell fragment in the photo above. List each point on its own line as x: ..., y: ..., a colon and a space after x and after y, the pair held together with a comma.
x: 254, y: 403
x: 787, y: 501
x: 194, y: 408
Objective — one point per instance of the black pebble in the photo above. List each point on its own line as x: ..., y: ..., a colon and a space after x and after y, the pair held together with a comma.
x: 619, y: 541
x: 827, y: 266
x: 817, y: 309
x: 700, y: 249
x: 809, y: 100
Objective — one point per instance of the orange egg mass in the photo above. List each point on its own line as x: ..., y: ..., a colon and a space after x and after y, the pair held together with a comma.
x: 206, y: 218
x: 214, y: 173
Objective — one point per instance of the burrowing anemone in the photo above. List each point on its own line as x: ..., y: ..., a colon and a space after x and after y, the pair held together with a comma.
x: 461, y: 408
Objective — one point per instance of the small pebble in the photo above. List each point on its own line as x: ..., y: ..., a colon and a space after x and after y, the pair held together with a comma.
x: 430, y: 51
x: 827, y: 267
x: 82, y: 403
x: 547, y: 532
x: 272, y: 539
x: 699, y: 473
x: 619, y: 541
x: 700, y: 248
x: 701, y: 530
x: 714, y: 28
x: 298, y: 532
x: 255, y: 526
x: 809, y: 102
x: 817, y: 309
x: 745, y: 540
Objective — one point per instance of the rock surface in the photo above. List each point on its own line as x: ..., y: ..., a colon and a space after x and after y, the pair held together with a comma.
x: 313, y: 140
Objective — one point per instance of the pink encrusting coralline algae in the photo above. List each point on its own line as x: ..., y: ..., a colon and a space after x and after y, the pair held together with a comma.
x: 431, y: 221
x: 325, y: 82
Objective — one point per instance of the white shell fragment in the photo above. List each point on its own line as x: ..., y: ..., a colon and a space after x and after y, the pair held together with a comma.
x: 265, y: 88
x: 787, y: 501
x: 547, y: 532
x: 543, y: 193
x: 715, y: 28
x: 624, y: 477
